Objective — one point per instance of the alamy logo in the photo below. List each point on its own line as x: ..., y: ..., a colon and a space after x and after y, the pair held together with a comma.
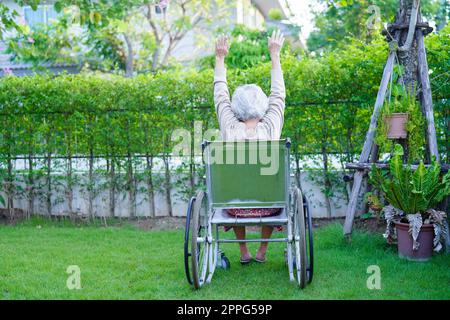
x: 74, y: 280
x: 374, y: 280
x: 375, y: 17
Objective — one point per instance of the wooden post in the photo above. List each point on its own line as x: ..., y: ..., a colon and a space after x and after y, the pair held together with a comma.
x: 368, y: 143
x: 374, y: 154
x: 447, y: 239
x: 426, y: 96
x: 367, y: 166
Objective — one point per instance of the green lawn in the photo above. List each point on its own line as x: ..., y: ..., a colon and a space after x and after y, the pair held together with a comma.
x: 128, y: 263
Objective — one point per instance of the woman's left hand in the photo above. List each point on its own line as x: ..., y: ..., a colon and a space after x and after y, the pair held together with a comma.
x: 222, y: 46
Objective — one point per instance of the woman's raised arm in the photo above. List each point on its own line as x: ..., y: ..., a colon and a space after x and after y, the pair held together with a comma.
x: 222, y: 99
x: 274, y: 117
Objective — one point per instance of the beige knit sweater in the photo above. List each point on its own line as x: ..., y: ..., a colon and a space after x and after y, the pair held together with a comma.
x: 268, y: 128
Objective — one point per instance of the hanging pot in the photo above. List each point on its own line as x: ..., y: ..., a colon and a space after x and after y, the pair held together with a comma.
x: 405, y: 242
x: 396, y: 123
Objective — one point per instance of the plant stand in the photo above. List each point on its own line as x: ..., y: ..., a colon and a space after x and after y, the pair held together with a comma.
x: 406, y: 35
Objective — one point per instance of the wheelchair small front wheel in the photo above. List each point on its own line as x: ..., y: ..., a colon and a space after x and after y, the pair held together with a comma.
x: 199, y: 240
x: 225, y: 262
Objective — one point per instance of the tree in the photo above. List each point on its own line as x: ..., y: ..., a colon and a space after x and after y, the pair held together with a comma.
x: 8, y: 16
x: 130, y: 34
x: 7, y: 20
x: 120, y: 39
x: 345, y: 19
x: 177, y: 20
x: 443, y: 15
x: 44, y: 44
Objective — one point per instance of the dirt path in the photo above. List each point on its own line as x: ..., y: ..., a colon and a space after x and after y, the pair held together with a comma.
x: 178, y: 223
x: 175, y: 223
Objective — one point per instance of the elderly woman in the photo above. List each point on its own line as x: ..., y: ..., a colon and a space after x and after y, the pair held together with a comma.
x: 250, y: 114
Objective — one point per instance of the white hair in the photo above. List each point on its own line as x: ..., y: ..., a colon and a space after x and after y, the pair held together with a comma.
x: 249, y: 102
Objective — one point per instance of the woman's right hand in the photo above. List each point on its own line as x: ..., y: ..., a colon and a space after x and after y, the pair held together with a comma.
x: 222, y: 47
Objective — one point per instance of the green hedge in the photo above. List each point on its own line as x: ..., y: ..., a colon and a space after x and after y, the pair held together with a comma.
x: 329, y: 104
x: 91, y: 113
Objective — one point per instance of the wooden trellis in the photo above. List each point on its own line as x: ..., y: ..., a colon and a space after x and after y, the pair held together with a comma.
x: 401, y: 35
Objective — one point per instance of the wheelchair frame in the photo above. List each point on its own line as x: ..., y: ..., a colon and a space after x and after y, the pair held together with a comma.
x: 206, y: 211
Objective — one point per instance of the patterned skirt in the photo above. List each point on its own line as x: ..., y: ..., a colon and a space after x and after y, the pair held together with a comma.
x: 254, y: 213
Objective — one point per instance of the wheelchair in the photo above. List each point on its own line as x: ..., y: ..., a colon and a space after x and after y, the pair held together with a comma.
x: 239, y: 175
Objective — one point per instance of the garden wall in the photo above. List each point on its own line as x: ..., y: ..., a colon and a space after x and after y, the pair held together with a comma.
x: 141, y: 206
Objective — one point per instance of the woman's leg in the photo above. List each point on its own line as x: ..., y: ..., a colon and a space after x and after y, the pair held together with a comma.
x: 266, y: 233
x: 240, y: 235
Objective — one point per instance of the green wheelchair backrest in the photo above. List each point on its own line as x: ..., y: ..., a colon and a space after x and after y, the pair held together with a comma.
x: 247, y: 174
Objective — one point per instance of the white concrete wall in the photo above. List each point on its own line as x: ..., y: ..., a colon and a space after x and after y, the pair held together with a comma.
x: 101, y: 201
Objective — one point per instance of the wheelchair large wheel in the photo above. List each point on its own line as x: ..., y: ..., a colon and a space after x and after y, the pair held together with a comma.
x: 199, y: 240
x: 299, y: 227
x: 187, y: 241
x: 309, y: 241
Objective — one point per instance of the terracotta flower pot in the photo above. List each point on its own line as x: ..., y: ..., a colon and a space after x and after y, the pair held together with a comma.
x: 396, y: 123
x: 405, y: 242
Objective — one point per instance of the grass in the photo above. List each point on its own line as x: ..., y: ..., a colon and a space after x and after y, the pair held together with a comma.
x: 129, y: 263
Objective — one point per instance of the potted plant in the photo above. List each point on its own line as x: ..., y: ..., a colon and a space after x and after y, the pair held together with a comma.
x: 396, y: 113
x: 412, y: 196
x: 402, y: 118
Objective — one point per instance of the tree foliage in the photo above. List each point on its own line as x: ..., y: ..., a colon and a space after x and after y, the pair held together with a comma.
x: 137, y: 35
x: 345, y: 19
x: 45, y: 45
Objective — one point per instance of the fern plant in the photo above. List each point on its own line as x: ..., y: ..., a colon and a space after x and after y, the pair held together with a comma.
x: 408, y: 190
x: 412, y: 196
